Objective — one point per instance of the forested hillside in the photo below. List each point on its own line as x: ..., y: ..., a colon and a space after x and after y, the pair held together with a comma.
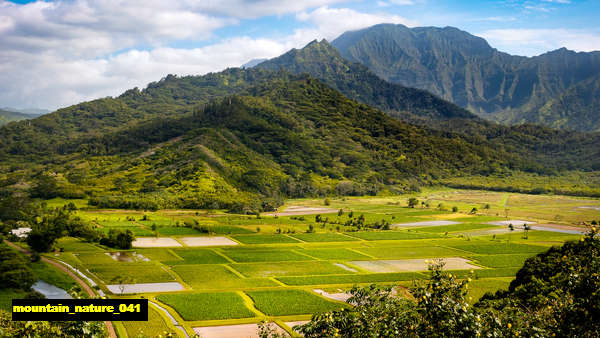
x: 291, y: 136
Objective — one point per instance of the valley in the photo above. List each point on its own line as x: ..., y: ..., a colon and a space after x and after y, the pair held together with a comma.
x: 274, y: 267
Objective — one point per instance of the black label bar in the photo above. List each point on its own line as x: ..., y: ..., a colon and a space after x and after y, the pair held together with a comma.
x: 80, y: 309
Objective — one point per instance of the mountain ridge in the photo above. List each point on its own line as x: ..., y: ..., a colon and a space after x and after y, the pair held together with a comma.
x: 466, y: 70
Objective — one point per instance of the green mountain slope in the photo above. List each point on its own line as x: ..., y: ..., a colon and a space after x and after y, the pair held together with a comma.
x: 290, y: 136
x: 10, y: 116
x: 322, y: 61
x: 464, y: 69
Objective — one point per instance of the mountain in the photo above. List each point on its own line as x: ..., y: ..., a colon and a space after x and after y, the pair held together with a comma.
x: 548, y: 147
x: 7, y: 116
x: 321, y: 60
x: 464, y: 69
x: 30, y: 111
x: 290, y: 136
x: 252, y: 63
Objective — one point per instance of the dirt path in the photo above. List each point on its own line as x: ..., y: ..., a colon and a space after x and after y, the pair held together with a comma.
x: 109, y: 326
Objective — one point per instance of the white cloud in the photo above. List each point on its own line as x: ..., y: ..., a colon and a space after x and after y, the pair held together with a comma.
x: 331, y: 22
x: 530, y: 42
x: 47, y: 80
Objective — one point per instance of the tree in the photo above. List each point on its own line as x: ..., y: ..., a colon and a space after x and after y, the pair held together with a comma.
x: 412, y: 202
x: 15, y: 271
x: 45, y: 186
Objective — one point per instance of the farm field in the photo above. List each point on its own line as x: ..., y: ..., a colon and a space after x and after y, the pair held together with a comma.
x: 242, y: 269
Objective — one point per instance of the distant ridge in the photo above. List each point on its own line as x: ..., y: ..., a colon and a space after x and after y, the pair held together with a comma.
x: 466, y: 70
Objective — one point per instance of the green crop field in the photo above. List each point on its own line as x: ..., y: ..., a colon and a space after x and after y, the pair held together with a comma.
x: 287, y: 269
x: 196, y: 256
x: 390, y: 235
x: 353, y: 279
x: 265, y: 239
x: 291, y: 302
x: 154, y: 326
x: 264, y: 255
x: 210, y: 277
x: 207, y: 306
x: 139, y: 272
x: 324, y: 237
x: 276, y: 264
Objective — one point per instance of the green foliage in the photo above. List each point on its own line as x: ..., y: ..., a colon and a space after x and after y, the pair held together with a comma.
x: 15, y: 270
x: 9, y: 328
x: 208, y: 306
x: 118, y: 238
x: 291, y: 302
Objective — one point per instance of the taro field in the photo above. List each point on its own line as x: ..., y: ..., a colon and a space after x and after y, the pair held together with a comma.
x: 206, y: 272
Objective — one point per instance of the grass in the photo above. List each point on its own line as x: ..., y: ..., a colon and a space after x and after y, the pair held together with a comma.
x: 264, y: 239
x: 264, y: 255
x: 390, y: 235
x: 74, y: 244
x: 352, y: 279
x: 197, y: 256
x: 477, y: 288
x: 6, y: 297
x: 207, y: 306
x: 154, y: 326
x: 140, y: 272
x: 212, y: 277
x: 287, y: 269
x: 137, y: 230
x: 176, y: 231
x: 336, y: 253
x: 158, y: 254
x: 455, y: 227
x: 291, y: 302
x: 499, y: 248
x: 52, y: 275
x: 324, y: 237
x: 95, y: 258
x: 410, y: 252
x: 502, y: 261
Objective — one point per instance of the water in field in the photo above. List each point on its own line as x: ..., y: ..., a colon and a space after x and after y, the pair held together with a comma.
x: 50, y: 291
x: 126, y: 256
x: 145, y: 287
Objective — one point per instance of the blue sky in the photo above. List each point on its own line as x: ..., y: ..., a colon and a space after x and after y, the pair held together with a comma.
x: 58, y: 53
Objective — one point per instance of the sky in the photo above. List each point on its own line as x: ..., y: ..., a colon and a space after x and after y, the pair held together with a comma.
x: 57, y: 53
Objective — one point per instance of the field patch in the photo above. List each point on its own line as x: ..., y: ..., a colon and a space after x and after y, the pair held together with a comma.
x: 228, y: 331
x: 291, y: 302
x: 502, y: 261
x: 197, y: 256
x: 264, y: 239
x: 424, y: 223
x: 499, y: 248
x: 212, y: 277
x: 118, y: 289
x: 455, y: 228
x: 301, y: 210
x: 450, y: 263
x: 287, y: 269
x: 410, y: 252
x: 157, y: 254
x: 138, y: 272
x: 155, y: 242
x: 264, y: 255
x: 514, y: 222
x: 333, y: 254
x: 207, y: 241
x: 154, y: 325
x: 390, y: 235
x: 208, y: 306
x: 324, y: 237
x: 74, y: 244
x: 352, y: 279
